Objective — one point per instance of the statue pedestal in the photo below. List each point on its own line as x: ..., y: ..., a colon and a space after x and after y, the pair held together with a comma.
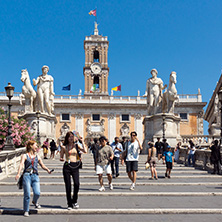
x: 154, y: 128
x: 46, y: 125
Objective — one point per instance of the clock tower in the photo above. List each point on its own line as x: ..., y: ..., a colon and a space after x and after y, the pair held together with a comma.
x: 96, y: 69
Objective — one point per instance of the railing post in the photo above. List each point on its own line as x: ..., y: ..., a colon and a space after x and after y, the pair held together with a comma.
x: 6, y: 165
x: 15, y: 160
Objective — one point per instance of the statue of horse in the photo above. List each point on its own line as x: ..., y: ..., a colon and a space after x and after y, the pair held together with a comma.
x: 28, y: 93
x: 170, y: 95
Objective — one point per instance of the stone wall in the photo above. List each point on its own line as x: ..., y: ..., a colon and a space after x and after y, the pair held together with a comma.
x: 202, y: 158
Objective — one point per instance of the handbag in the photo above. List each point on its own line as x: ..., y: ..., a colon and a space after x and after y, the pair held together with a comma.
x: 20, y: 182
x: 147, y: 166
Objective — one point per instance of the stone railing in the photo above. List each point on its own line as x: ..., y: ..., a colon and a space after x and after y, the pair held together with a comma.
x: 202, y: 158
x: 137, y: 99
x: 9, y: 161
x: 190, y: 98
x: 199, y: 140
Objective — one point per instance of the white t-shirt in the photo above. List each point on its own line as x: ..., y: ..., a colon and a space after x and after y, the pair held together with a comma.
x: 133, y: 151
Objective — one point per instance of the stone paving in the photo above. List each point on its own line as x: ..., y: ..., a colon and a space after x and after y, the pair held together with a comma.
x: 190, y: 194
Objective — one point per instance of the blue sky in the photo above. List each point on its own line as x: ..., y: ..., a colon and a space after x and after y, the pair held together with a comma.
x: 182, y: 36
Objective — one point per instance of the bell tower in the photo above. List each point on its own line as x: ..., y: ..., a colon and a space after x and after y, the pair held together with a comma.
x: 96, y: 69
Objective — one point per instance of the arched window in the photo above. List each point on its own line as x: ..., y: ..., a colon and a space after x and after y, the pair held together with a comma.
x: 96, y: 80
x: 96, y: 84
x: 96, y: 56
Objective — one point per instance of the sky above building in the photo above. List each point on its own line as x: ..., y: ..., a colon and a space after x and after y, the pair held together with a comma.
x: 171, y: 35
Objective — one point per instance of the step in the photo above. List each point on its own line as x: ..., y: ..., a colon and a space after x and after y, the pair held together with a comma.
x: 112, y: 193
x: 156, y: 183
x: 53, y: 211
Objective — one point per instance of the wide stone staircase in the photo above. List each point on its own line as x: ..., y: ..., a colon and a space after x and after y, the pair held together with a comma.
x: 188, y: 191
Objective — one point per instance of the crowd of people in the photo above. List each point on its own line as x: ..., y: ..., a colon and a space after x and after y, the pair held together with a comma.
x: 106, y: 157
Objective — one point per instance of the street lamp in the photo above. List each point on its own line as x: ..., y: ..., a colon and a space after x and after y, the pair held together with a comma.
x: 164, y: 123
x: 220, y: 99
x: 38, y: 137
x: 9, y: 145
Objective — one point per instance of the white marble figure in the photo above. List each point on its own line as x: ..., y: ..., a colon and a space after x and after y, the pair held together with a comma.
x: 45, y: 90
x: 217, y: 110
x: 64, y: 129
x: 154, y: 87
x: 170, y: 95
x: 28, y: 93
x: 80, y: 92
x: 124, y: 130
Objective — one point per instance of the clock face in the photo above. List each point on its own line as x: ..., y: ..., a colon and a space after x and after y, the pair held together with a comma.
x: 96, y: 68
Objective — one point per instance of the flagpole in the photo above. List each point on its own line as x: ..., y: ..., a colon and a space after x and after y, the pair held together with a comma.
x: 96, y: 15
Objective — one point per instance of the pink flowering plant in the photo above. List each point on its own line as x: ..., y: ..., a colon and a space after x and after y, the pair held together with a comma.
x: 21, y: 132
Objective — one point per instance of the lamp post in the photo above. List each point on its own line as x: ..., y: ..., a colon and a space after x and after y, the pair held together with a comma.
x: 38, y: 136
x: 164, y: 123
x: 220, y: 99
x: 9, y: 141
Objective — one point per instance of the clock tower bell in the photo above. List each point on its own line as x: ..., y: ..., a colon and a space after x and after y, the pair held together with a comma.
x: 96, y: 69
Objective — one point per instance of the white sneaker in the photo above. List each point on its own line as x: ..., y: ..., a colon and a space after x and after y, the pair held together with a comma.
x: 102, y: 188
x: 76, y: 206
x: 26, y: 214
x: 37, y: 205
x: 132, y: 187
x: 111, y: 186
x: 69, y: 208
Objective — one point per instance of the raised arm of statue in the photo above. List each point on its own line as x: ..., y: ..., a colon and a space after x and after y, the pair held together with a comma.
x: 35, y: 82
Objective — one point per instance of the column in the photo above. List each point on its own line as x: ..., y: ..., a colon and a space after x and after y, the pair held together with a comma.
x: 111, y: 126
x: 79, y: 123
x: 139, y: 126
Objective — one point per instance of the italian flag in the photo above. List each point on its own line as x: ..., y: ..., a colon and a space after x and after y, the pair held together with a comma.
x: 94, y: 87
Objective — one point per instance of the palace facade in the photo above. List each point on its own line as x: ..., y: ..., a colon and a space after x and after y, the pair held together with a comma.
x: 95, y: 112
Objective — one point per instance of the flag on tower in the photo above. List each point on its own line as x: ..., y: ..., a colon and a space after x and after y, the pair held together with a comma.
x: 95, y: 87
x: 66, y: 87
x: 93, y: 12
x: 117, y: 88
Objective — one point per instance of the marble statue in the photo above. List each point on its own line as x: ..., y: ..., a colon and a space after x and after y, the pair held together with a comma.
x: 217, y: 110
x: 170, y: 95
x: 154, y: 87
x: 80, y: 92
x: 64, y: 129
x: 28, y: 93
x: 45, y: 91
x: 125, y: 130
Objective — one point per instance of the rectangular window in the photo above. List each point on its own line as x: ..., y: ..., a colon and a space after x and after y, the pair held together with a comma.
x: 125, y: 118
x: 95, y: 117
x: 65, y: 117
x: 183, y: 116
